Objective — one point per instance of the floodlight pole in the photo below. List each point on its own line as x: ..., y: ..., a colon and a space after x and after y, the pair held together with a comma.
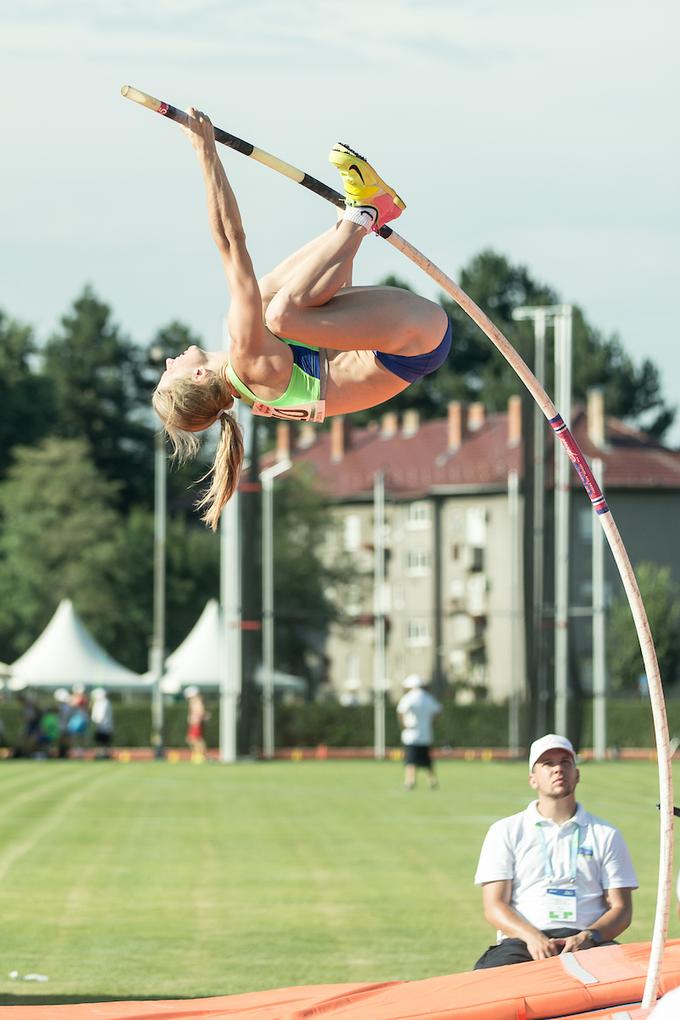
x: 514, y: 699
x: 562, y: 507
x: 560, y: 317
x: 230, y: 612
x: 267, y: 476
x: 157, y: 651
x: 599, y: 646
x: 379, y: 608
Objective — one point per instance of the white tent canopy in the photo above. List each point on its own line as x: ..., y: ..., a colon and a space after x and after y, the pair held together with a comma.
x: 66, y: 653
x: 198, y: 659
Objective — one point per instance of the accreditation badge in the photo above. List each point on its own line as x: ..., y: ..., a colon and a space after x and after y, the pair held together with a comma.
x: 560, y: 907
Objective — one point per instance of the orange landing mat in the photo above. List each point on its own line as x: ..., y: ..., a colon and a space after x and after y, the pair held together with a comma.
x: 597, y: 983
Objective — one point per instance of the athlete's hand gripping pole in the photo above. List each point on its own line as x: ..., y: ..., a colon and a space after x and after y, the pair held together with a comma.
x: 245, y: 148
x: 589, y: 483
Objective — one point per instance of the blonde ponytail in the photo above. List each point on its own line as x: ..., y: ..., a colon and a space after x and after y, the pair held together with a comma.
x: 225, y: 471
x: 186, y: 407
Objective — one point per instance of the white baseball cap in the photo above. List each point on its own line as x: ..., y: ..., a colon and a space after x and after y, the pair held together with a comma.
x: 413, y: 681
x: 550, y: 742
x: 190, y: 692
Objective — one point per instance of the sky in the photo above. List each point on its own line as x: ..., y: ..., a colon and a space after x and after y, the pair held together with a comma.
x: 546, y: 131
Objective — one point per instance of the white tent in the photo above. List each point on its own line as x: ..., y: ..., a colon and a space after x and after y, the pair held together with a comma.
x: 198, y: 660
x: 66, y: 653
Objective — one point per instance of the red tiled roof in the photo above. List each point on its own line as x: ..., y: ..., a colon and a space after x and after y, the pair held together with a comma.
x: 417, y: 464
x: 632, y: 459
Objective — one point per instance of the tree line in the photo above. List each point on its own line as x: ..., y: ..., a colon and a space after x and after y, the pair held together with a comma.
x: 77, y: 462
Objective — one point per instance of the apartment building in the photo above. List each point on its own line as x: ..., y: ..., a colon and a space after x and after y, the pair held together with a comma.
x: 451, y: 598
x: 454, y: 596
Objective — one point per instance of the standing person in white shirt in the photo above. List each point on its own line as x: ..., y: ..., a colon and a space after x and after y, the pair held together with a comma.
x: 416, y: 710
x: 554, y: 877
x: 101, y: 714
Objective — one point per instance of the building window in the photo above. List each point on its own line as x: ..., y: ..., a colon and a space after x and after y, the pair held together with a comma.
x: 417, y: 633
x: 585, y: 525
x: 476, y: 559
x: 417, y: 562
x: 456, y: 520
x: 418, y: 515
x: 476, y: 526
x: 476, y: 595
x: 353, y: 600
x: 352, y: 533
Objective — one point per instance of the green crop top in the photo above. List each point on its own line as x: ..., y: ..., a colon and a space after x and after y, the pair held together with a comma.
x: 304, y: 398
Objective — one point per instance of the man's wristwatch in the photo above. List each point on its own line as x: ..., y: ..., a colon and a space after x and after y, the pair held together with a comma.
x: 594, y: 936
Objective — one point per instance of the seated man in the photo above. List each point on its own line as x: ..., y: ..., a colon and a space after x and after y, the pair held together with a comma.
x: 554, y: 878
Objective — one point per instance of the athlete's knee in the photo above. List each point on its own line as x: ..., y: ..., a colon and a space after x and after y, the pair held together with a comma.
x: 282, y: 311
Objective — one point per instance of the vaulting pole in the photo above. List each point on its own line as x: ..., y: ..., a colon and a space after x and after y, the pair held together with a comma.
x: 582, y: 469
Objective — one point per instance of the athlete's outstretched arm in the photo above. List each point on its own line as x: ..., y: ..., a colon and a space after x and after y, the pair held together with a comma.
x: 245, y: 316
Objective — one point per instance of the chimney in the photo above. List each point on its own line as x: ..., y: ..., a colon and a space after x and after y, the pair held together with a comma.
x: 410, y: 423
x: 475, y: 417
x: 597, y: 430
x: 338, y: 438
x: 514, y: 420
x: 389, y: 425
x: 455, y: 426
x: 282, y: 440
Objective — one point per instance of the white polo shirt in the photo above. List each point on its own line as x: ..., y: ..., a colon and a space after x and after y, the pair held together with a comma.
x: 585, y: 849
x: 418, y: 708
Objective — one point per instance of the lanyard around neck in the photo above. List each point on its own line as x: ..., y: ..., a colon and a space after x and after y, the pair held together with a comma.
x: 573, y: 851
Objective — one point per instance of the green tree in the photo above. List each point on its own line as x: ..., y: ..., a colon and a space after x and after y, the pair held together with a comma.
x: 661, y: 596
x: 62, y: 537
x: 57, y: 540
x: 168, y: 342
x: 475, y: 370
x: 100, y: 395
x: 25, y: 395
x: 192, y: 577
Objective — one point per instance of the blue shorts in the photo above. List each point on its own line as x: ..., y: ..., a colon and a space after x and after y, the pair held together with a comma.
x: 414, y: 367
x: 306, y: 358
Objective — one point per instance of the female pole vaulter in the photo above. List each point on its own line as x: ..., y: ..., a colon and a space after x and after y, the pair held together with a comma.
x: 305, y: 343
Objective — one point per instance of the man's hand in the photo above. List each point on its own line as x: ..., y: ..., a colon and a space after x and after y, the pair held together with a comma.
x: 541, y: 947
x: 199, y: 131
x: 579, y: 941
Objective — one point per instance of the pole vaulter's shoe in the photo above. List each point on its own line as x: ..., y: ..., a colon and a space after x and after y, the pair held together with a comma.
x: 363, y: 187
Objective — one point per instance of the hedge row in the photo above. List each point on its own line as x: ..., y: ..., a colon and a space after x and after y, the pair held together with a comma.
x: 629, y: 724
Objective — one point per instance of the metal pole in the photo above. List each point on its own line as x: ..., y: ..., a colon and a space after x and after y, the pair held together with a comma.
x: 267, y: 477
x: 513, y: 701
x: 230, y: 605
x: 599, y: 644
x: 267, y: 616
x: 230, y: 599
x: 539, y: 529
x: 158, y: 640
x: 379, y: 615
x: 562, y: 493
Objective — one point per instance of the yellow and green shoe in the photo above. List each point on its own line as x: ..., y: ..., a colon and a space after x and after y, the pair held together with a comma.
x: 363, y: 187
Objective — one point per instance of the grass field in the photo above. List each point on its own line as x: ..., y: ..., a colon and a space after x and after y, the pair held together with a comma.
x: 172, y: 881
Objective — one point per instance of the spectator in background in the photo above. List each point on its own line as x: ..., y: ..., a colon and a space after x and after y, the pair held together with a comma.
x: 63, y: 700
x: 197, y: 716
x: 32, y: 714
x: 49, y: 732
x: 79, y: 720
x: 416, y: 710
x: 101, y: 714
